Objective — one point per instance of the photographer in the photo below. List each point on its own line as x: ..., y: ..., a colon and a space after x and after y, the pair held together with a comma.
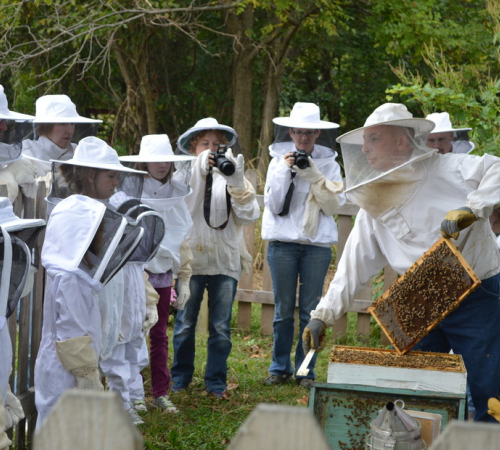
x: 221, y: 203
x: 303, y: 191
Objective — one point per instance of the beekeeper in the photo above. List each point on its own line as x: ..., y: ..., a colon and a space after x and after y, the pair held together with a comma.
x: 85, y: 244
x: 410, y: 195
x: 447, y: 139
x: 302, y: 193
x: 58, y: 129
x: 15, y: 172
x: 15, y: 282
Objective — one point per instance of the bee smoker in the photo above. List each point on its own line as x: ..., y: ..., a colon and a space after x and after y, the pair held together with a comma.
x: 394, y: 429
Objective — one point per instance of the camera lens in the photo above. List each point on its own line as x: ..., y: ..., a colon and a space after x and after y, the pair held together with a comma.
x: 226, y: 166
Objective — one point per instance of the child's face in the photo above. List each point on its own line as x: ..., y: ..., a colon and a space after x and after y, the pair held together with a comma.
x: 103, y: 184
x: 208, y: 141
x: 159, y: 170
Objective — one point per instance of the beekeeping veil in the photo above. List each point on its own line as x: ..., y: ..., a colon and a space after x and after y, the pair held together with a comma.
x: 150, y: 221
x: 382, y: 160
x: 94, y: 153
x: 104, y: 244
x: 183, y: 168
x: 17, y: 253
x: 460, y: 136
x: 303, y: 116
x: 17, y: 125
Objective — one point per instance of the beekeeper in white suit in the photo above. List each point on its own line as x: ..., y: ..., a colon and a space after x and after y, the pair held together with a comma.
x: 447, y: 139
x: 411, y: 196
x: 84, y: 245
x: 173, y: 259
x: 15, y: 172
x: 15, y: 283
x: 302, y: 192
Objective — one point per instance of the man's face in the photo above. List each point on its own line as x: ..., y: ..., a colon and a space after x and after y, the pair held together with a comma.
x: 441, y: 141
x: 386, y: 147
x: 3, y: 128
x: 304, y: 139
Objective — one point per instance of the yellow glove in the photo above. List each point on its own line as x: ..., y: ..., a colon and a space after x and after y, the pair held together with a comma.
x: 494, y: 408
x: 314, y: 336
x: 457, y: 220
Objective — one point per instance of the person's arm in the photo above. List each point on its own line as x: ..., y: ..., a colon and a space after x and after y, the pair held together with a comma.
x: 279, y: 177
x: 361, y: 260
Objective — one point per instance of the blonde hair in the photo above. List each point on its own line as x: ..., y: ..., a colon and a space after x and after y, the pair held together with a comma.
x: 221, y: 137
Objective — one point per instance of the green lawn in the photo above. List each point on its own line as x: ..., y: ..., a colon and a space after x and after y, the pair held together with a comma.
x: 206, y: 423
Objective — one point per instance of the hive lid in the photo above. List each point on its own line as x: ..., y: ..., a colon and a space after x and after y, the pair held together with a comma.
x: 424, y: 295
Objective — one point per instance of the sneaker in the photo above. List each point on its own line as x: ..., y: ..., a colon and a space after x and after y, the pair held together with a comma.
x: 136, y: 420
x: 165, y: 403
x: 178, y: 387
x: 305, y: 382
x: 219, y: 394
x: 139, y: 405
x: 276, y: 379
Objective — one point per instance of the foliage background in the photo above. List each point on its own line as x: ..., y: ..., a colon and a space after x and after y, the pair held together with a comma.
x: 159, y: 66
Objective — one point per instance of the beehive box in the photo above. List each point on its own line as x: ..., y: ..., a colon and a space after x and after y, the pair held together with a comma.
x: 433, y: 372
x: 346, y: 411
x: 424, y: 295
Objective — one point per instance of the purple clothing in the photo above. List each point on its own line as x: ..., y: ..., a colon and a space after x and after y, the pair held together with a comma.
x: 160, y: 280
x: 158, y: 345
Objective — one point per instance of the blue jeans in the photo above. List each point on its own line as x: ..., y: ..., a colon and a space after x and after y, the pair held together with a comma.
x: 221, y: 292
x: 289, y: 263
x: 473, y: 331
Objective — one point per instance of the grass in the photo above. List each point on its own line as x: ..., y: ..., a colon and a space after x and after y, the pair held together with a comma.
x: 206, y: 423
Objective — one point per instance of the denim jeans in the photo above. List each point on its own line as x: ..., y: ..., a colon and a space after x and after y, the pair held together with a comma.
x: 221, y: 292
x: 473, y: 331
x: 289, y: 263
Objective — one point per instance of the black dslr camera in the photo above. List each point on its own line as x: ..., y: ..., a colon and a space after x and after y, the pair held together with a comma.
x: 301, y: 159
x: 222, y: 163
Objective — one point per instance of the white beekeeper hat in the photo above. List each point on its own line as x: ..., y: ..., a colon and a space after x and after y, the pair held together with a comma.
x: 393, y: 114
x: 305, y: 115
x: 10, y: 222
x: 58, y: 109
x: 156, y: 148
x: 208, y: 123
x: 443, y: 123
x: 5, y: 113
x: 94, y: 152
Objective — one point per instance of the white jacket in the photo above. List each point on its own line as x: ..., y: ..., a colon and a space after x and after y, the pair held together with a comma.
x: 451, y: 181
x: 41, y: 150
x: 168, y: 200
x: 289, y: 228
x: 218, y: 252
x: 71, y: 307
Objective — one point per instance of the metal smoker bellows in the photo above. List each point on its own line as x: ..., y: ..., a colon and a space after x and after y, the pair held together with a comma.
x: 394, y: 429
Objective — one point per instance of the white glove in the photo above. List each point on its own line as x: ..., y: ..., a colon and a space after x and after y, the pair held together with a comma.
x: 237, y: 179
x: 310, y: 174
x: 13, y: 410
x: 151, y: 318
x: 19, y: 173
x: 183, y: 293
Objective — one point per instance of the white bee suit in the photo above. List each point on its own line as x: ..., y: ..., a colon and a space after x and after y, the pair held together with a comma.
x: 71, y: 307
x: 40, y: 151
x: 404, y: 236
x: 168, y: 200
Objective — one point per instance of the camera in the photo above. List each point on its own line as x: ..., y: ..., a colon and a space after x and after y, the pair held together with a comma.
x: 301, y: 159
x: 222, y: 163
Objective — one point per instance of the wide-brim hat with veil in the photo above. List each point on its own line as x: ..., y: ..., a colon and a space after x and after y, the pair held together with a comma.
x: 461, y: 142
x: 209, y: 123
x: 58, y: 109
x: 379, y: 190
x: 156, y: 148
x: 305, y: 116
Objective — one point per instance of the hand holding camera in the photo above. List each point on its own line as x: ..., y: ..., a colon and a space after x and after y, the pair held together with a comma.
x: 309, y: 173
x: 231, y: 168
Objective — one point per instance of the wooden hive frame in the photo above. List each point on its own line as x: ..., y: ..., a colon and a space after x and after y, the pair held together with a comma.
x: 424, y: 295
